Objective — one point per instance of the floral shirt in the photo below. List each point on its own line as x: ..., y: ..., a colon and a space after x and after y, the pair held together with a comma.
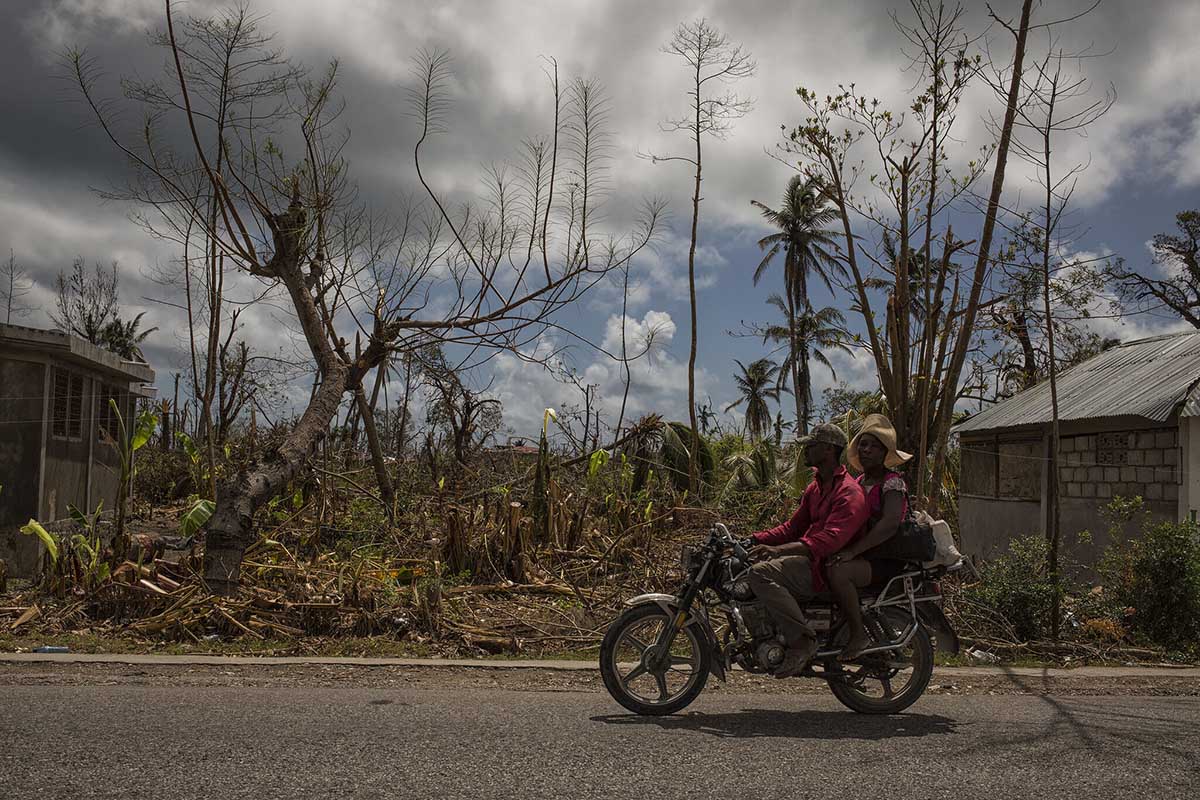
x: 892, y: 482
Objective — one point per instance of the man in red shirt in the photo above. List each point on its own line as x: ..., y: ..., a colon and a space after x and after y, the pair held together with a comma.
x: 791, y: 556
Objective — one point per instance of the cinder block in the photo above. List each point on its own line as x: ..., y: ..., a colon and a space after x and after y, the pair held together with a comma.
x: 1128, y: 474
x: 1136, y: 457
x: 1154, y: 457
x: 1145, y: 475
x: 1095, y: 474
x: 1066, y: 444
x: 1145, y: 440
x: 1103, y: 490
x: 1165, y: 439
x: 1154, y: 491
x: 1087, y: 489
x: 1112, y: 474
x: 1171, y: 491
x: 1171, y: 456
x: 1073, y: 490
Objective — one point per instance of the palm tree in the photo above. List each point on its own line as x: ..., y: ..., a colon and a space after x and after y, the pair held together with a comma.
x: 124, y: 338
x: 807, y: 243
x: 815, y: 333
x: 758, y: 384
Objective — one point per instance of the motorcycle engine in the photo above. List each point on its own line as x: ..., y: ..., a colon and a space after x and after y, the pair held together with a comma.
x: 758, y: 623
x: 769, y: 654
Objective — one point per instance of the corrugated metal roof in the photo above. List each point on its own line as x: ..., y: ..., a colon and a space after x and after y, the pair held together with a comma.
x: 1147, y: 378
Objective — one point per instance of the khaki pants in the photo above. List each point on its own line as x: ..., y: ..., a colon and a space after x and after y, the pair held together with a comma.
x: 781, y: 584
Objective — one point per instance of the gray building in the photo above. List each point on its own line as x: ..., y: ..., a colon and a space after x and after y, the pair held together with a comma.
x: 54, y: 411
x: 1130, y: 426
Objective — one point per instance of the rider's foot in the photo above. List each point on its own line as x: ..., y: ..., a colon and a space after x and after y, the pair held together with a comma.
x: 796, y: 659
x: 854, y: 647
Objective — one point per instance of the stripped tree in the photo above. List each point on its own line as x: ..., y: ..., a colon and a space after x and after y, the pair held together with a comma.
x: 293, y: 224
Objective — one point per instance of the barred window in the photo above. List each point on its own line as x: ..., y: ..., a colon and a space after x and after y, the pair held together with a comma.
x: 106, y: 416
x: 66, y: 421
x: 978, y: 467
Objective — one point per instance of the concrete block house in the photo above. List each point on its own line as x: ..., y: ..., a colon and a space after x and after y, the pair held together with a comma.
x: 54, y: 410
x: 1130, y: 426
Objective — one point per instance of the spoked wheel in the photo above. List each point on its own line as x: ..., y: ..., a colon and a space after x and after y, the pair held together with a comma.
x: 638, y: 677
x: 890, y: 681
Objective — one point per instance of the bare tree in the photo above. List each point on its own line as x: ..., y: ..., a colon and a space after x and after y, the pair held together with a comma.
x: 712, y: 61
x: 85, y: 304
x: 468, y: 416
x: 1178, y: 255
x: 1058, y: 103
x: 928, y: 326
x: 294, y: 225
x: 14, y: 284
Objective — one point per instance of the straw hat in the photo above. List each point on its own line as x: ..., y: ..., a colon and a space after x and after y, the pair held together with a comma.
x: 881, y: 428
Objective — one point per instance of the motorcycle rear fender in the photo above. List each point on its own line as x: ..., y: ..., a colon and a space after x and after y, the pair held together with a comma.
x: 934, y: 619
x: 698, y: 618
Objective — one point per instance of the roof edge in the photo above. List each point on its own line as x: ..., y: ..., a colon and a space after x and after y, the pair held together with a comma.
x: 56, y: 341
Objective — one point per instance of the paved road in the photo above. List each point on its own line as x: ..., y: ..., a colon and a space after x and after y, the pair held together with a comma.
x: 222, y: 741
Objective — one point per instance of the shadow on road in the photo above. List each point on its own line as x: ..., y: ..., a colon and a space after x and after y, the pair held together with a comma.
x: 754, y: 723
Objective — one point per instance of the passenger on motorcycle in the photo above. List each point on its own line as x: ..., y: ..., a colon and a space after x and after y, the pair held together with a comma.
x: 874, y: 456
x: 791, y: 557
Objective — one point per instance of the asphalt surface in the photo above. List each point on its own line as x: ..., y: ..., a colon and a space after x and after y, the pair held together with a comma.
x: 75, y: 741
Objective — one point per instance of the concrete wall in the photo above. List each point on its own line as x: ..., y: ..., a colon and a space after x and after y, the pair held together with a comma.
x: 1111, y: 464
x: 21, y: 399
x: 1189, y: 494
x: 1098, y: 460
x: 986, y: 523
x: 1078, y: 516
x: 42, y: 474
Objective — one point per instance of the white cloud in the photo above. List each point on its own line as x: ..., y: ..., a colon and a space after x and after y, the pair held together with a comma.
x: 658, y: 379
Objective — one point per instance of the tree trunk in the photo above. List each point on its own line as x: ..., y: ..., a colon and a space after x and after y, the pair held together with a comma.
x: 386, y: 493
x: 803, y: 312
x: 794, y: 347
x: 959, y: 356
x: 231, y: 528
x: 694, y: 450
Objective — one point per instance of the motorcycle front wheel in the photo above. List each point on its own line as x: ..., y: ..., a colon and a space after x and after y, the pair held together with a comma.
x: 890, y: 681
x: 631, y: 671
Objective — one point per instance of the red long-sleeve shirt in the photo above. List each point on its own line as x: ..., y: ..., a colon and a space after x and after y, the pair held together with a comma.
x: 825, y: 521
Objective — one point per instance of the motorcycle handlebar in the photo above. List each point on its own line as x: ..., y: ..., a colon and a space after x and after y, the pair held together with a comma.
x: 738, y: 548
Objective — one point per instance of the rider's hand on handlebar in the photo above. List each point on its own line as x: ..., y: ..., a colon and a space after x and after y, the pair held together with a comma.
x: 762, y: 552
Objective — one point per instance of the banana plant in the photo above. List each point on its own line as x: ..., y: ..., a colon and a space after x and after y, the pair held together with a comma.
x: 126, y: 444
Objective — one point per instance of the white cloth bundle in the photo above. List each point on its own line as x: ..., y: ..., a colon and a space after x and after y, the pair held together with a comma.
x: 947, y: 554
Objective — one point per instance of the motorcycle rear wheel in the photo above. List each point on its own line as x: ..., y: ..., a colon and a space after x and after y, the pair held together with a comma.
x: 914, y: 662
x: 626, y: 649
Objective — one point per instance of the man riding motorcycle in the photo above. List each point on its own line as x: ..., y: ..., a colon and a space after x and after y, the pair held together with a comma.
x: 791, y: 557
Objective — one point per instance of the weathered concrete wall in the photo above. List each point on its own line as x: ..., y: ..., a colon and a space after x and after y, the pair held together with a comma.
x: 1079, y: 515
x: 1099, y: 460
x: 1122, y: 464
x: 22, y: 386
x: 986, y: 523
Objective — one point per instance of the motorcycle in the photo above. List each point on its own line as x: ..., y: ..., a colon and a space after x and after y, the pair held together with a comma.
x: 656, y: 656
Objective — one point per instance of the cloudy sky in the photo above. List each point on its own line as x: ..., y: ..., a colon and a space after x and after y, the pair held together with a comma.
x: 1144, y: 156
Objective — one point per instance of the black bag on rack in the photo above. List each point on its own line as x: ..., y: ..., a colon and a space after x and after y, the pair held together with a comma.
x: 913, y: 541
